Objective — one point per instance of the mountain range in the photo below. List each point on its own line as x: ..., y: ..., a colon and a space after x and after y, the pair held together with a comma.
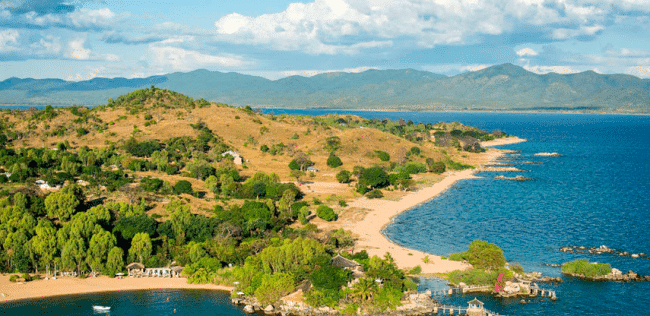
x: 498, y: 88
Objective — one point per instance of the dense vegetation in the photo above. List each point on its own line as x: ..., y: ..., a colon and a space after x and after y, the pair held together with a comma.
x: 156, y: 200
x: 487, y: 262
x: 587, y: 269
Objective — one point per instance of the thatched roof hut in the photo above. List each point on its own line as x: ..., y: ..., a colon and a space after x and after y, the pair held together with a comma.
x: 135, y: 265
x: 342, y: 262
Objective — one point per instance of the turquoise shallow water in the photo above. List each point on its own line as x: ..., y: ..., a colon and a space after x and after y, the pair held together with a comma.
x: 596, y: 194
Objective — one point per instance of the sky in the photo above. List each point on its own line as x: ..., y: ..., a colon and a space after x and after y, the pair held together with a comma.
x: 83, y: 39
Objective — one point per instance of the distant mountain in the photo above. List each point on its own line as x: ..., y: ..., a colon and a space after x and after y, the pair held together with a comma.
x: 502, y: 87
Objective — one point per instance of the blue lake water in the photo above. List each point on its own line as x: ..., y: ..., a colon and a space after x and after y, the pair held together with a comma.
x: 141, y: 303
x: 596, y: 194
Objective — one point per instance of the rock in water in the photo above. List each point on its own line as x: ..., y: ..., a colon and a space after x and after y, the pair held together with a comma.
x: 248, y: 309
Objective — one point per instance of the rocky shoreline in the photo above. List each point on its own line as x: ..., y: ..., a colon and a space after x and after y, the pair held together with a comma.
x: 413, y: 304
x: 616, y: 275
x: 602, y: 250
x: 515, y: 178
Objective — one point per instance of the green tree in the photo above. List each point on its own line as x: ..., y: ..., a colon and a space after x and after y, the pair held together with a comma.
x: 334, y: 161
x: 325, y: 212
x: 73, y: 254
x: 374, y: 177
x: 44, y: 243
x: 484, y: 255
x: 180, y: 217
x: 273, y: 287
x: 62, y: 204
x: 197, y: 252
x: 364, y: 289
x: 115, y: 261
x: 435, y: 167
x: 212, y: 184
x: 183, y: 186
x: 296, y: 173
x: 140, y: 248
x: 100, y: 244
x: 343, y: 176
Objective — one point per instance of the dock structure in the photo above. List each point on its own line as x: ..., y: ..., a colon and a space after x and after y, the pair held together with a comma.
x: 536, y: 290
x: 474, y: 308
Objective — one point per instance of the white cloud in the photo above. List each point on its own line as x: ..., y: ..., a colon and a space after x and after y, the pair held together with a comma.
x: 179, y: 59
x: 549, y: 69
x: 311, y: 73
x: 335, y: 26
x: 474, y: 67
x: 76, y: 50
x: 639, y: 71
x: 82, y: 19
x: 527, y: 52
x: 100, y: 18
x: 94, y: 73
x: 453, y: 69
x: 564, y: 33
x: 9, y: 40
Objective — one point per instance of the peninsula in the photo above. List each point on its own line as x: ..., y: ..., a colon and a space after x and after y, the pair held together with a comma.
x: 257, y: 203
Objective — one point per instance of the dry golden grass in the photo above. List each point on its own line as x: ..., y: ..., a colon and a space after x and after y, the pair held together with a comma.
x: 237, y: 127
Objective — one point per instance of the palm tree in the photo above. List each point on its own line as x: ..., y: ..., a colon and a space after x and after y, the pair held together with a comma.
x: 364, y: 289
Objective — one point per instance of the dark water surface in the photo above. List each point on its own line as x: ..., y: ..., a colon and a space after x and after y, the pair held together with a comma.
x: 135, y: 303
x: 598, y: 193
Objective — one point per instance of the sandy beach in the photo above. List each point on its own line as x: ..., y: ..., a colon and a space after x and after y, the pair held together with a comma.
x: 369, y: 232
x: 70, y: 285
x: 381, y: 212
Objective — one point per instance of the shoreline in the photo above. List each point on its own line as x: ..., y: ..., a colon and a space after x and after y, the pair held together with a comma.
x: 369, y: 229
x: 65, y: 286
x: 382, y: 212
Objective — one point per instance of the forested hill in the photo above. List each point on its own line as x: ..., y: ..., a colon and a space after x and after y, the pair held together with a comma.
x: 503, y: 87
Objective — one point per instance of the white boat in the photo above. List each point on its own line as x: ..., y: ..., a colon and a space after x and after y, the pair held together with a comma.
x: 101, y: 308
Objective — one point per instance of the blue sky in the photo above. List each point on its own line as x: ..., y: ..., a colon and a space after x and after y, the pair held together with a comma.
x: 82, y: 39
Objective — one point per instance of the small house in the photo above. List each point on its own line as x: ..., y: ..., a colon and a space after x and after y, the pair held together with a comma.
x: 135, y: 269
x: 237, y: 158
x: 345, y: 263
x: 312, y: 169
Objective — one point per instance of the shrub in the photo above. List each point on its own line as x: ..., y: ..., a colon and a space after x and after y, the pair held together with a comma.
x: 343, y: 176
x: 81, y: 131
x: 374, y: 177
x: 484, y: 255
x: 415, y: 150
x: 374, y: 194
x: 584, y: 268
x: 334, y: 161
x: 183, y: 186
x: 13, y: 278
x: 327, y: 213
x: 293, y: 165
x: 27, y: 277
x: 264, y: 148
x: 416, y: 270
x: 382, y: 155
x: 436, y: 167
x: 295, y: 136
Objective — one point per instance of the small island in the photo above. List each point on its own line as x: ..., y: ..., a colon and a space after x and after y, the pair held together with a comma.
x: 594, y: 271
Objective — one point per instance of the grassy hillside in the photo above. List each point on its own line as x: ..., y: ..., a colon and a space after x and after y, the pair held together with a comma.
x: 154, y: 176
x: 267, y: 143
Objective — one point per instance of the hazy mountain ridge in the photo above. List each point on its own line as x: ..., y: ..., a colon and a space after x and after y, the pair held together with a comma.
x: 501, y: 87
